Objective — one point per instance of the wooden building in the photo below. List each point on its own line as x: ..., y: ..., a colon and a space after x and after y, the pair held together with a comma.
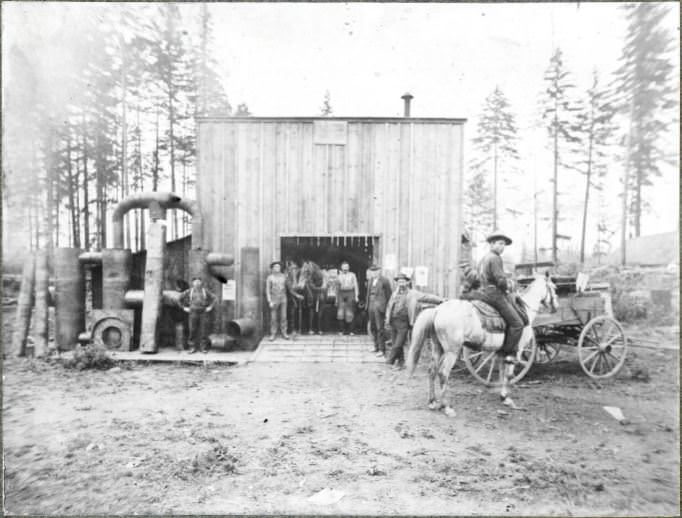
x: 384, y: 190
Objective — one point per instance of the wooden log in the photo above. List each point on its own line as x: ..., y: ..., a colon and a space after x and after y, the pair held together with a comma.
x: 24, y: 305
x: 40, y: 323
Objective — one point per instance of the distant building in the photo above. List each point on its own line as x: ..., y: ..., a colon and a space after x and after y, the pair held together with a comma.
x: 653, y: 250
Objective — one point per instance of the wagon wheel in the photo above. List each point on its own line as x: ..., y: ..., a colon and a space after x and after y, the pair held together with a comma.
x: 481, y: 364
x: 547, y: 352
x: 602, y: 347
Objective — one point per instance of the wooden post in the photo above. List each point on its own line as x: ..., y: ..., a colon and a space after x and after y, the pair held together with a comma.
x: 40, y: 324
x: 24, y: 306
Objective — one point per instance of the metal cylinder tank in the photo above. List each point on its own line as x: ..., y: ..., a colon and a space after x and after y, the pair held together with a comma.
x: 116, y: 270
x: 69, y: 297
x: 40, y: 323
x: 153, y: 284
x: 24, y: 307
x: 249, y: 294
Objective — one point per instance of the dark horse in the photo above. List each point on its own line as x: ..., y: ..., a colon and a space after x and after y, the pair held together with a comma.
x: 311, y: 284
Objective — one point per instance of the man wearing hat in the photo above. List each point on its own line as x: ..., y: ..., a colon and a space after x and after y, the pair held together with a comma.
x: 198, y: 302
x: 495, y: 288
x: 401, y: 312
x: 378, y: 294
x: 276, y: 294
x: 346, y: 298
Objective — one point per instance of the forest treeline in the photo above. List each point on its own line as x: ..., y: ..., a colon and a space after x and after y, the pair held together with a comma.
x: 118, y: 118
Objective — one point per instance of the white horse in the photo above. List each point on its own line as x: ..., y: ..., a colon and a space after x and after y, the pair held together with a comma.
x: 455, y: 323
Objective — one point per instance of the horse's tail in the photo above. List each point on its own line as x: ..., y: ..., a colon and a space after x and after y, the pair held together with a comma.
x: 423, y: 327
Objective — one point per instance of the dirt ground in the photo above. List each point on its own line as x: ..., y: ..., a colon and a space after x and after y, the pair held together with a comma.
x: 264, y: 438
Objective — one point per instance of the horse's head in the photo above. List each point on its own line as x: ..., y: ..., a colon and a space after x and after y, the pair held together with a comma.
x: 541, y: 292
x: 550, y: 300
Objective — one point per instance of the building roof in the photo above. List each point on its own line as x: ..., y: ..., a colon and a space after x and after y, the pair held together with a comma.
x: 651, y: 250
x: 420, y: 120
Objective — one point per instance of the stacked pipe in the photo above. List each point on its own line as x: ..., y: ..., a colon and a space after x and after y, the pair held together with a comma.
x: 69, y: 296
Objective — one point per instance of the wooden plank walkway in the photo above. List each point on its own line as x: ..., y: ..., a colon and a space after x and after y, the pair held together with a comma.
x: 318, y: 349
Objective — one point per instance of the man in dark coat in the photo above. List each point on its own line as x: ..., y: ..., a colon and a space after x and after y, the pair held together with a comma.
x: 494, y: 290
x: 378, y: 294
x: 401, y: 313
x: 198, y: 302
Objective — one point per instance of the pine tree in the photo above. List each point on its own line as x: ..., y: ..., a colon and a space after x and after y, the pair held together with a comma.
x: 595, y: 129
x: 495, y: 143
x: 242, y: 110
x: 326, y: 109
x: 559, y: 116
x: 478, y: 203
x: 645, y: 81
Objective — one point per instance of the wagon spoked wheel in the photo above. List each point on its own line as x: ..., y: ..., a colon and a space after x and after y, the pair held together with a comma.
x: 602, y: 347
x: 547, y: 352
x: 484, y: 365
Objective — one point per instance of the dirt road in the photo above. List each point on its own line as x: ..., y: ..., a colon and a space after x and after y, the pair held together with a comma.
x: 264, y: 438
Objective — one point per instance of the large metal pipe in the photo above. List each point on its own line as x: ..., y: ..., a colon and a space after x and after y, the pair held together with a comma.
x: 24, y: 305
x: 241, y: 328
x: 90, y: 258
x: 135, y: 298
x: 69, y: 297
x: 249, y: 292
x: 220, y: 265
x: 116, y: 269
x: 40, y: 323
x: 153, y: 282
x: 166, y: 200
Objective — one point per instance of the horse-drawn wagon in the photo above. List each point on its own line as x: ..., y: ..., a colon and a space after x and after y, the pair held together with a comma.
x: 583, y: 318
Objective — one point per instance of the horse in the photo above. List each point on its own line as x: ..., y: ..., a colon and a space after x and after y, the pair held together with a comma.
x: 312, y: 286
x: 455, y: 324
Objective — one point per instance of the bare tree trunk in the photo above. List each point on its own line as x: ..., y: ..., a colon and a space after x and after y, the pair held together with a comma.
x: 494, y: 186
x: 171, y: 121
x: 124, y: 144
x: 626, y: 178
x: 75, y: 237
x: 155, y: 172
x: 587, y: 194
x: 86, y: 189
x: 555, y: 188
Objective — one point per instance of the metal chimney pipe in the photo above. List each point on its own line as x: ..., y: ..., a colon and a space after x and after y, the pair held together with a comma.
x: 407, y: 98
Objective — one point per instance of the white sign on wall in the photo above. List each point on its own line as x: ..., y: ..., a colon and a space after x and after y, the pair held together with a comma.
x: 330, y: 132
x: 421, y: 275
x: 229, y: 290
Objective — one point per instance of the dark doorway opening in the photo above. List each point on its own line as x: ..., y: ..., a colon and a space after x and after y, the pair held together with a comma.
x: 328, y: 252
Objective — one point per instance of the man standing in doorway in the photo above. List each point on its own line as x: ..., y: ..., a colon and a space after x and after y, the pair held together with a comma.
x: 276, y: 295
x: 378, y: 294
x: 346, y: 297
x: 198, y: 302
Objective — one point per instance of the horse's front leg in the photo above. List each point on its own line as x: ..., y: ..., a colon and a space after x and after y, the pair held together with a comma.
x: 506, y: 373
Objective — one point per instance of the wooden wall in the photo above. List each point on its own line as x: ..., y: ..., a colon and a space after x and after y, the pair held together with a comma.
x: 400, y: 179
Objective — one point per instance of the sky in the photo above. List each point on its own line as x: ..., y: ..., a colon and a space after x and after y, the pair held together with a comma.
x: 280, y: 58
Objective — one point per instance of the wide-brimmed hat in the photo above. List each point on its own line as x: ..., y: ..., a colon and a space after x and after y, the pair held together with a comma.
x: 497, y: 235
x: 273, y: 263
x: 374, y: 268
x: 401, y: 275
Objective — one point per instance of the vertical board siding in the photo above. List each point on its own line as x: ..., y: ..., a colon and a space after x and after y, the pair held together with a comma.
x: 401, y: 181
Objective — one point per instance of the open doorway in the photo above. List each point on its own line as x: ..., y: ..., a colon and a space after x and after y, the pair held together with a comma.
x: 328, y: 252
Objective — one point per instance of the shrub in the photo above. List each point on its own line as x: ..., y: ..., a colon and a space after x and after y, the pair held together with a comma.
x: 89, y: 357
